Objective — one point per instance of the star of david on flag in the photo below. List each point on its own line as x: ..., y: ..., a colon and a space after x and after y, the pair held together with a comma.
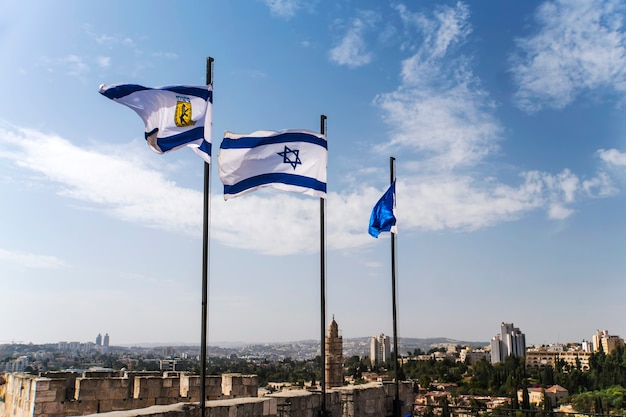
x: 288, y: 160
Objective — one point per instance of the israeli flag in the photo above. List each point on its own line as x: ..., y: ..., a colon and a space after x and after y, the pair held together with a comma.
x: 288, y: 160
x: 174, y: 116
x: 383, y: 217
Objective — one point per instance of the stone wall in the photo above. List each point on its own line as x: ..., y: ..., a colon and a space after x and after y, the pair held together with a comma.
x: 374, y: 399
x: 240, y: 386
x: 176, y: 394
x: 65, y: 393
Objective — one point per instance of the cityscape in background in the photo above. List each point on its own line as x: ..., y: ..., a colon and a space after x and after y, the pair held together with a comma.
x: 21, y: 357
x: 76, y: 378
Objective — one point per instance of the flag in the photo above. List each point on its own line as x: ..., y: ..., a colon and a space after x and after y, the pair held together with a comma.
x: 174, y: 116
x: 383, y: 218
x: 289, y: 160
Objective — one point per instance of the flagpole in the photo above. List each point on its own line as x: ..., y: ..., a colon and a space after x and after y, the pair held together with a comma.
x: 323, y: 411
x: 396, y: 403
x: 205, y: 262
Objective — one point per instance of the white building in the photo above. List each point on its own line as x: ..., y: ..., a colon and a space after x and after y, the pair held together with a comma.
x: 380, y: 350
x: 510, y: 341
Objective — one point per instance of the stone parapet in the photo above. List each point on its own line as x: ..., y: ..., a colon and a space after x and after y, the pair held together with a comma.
x: 67, y: 393
x: 168, y: 395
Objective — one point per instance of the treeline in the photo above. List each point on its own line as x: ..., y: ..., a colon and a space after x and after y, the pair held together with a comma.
x: 599, y: 390
x: 287, y: 370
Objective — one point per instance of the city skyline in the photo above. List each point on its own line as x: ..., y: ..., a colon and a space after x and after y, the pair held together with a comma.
x: 505, y: 118
x: 498, y: 336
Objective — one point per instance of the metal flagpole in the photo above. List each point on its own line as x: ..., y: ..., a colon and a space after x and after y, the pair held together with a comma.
x: 323, y: 411
x: 205, y: 259
x: 396, y: 403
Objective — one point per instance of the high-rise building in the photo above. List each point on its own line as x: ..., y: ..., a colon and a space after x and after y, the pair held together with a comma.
x: 99, y: 340
x: 510, y: 341
x: 380, y: 350
x: 606, y: 342
x: 333, y: 372
x: 106, y: 340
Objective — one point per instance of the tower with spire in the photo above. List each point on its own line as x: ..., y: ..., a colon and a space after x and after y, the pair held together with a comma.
x: 334, y: 356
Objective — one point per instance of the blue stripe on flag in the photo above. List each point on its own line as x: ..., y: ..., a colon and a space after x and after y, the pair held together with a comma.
x: 252, y: 142
x: 205, y: 147
x: 124, y: 90
x: 191, y: 91
x: 168, y: 143
x: 263, y: 179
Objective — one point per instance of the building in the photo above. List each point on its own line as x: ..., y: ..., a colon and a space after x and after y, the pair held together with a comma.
x: 549, y: 356
x: 471, y: 356
x: 605, y: 342
x: 16, y: 365
x: 380, y: 350
x: 538, y: 396
x: 510, y: 341
x: 333, y: 347
x: 99, y: 340
x: 106, y: 340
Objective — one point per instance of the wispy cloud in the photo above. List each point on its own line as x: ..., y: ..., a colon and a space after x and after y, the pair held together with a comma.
x: 104, y: 61
x: 441, y: 112
x: 284, y: 8
x: 352, y: 50
x: 128, y: 188
x: 439, y: 107
x: 613, y: 157
x: 29, y: 260
x: 72, y: 65
x: 109, y: 40
x: 579, y: 46
x: 123, y: 187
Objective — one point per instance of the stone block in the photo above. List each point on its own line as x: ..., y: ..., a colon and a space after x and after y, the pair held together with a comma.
x: 42, y: 384
x: 55, y: 408
x: 45, y: 396
x: 85, y: 395
x: 104, y: 406
x: 270, y: 407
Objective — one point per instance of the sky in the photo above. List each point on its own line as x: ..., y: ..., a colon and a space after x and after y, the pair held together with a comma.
x: 505, y: 119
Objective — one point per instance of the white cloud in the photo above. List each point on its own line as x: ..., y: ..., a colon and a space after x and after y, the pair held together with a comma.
x: 352, y: 50
x: 29, y: 260
x: 441, y: 111
x: 579, y: 46
x: 125, y: 188
x: 71, y: 64
x: 439, y: 108
x: 121, y: 184
x: 107, y: 40
x: 104, y: 61
x: 283, y: 8
x: 613, y: 157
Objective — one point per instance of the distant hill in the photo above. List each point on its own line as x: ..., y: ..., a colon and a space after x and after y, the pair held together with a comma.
x: 308, y: 349
x: 361, y: 345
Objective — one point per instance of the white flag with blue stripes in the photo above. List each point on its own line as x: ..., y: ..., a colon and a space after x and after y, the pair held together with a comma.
x: 174, y: 116
x: 288, y: 160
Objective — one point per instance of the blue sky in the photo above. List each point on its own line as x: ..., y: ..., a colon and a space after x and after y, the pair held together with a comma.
x: 506, y: 119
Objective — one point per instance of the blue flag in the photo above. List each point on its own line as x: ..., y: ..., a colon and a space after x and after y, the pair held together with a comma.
x: 383, y: 218
x: 174, y: 116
